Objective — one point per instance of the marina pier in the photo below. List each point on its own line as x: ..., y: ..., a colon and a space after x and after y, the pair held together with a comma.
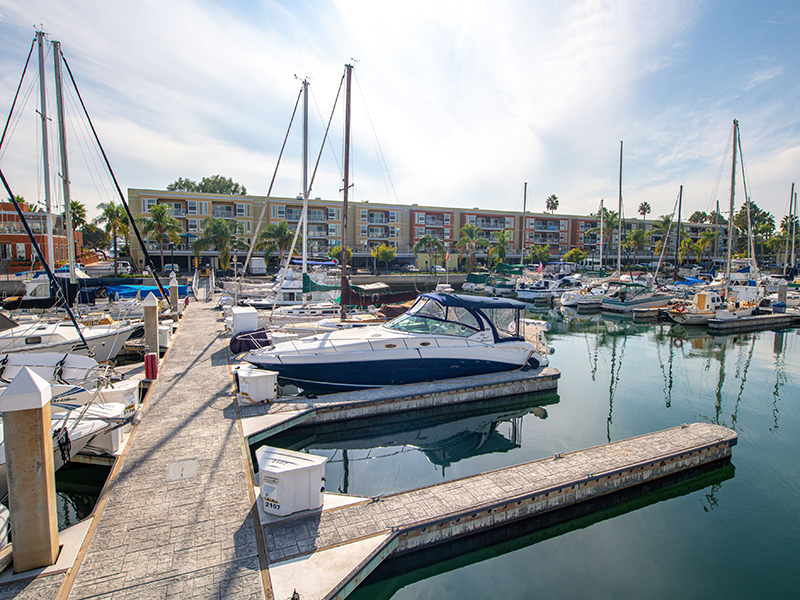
x: 179, y: 515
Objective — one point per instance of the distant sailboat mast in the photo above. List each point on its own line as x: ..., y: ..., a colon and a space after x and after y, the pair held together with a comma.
x: 305, y: 176
x: 733, y: 190
x: 602, y: 239
x: 51, y: 258
x: 619, y: 215
x: 62, y: 137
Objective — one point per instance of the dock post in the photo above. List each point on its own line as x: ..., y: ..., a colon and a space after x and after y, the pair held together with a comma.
x: 173, y: 294
x: 782, y: 287
x: 151, y: 323
x: 25, y: 405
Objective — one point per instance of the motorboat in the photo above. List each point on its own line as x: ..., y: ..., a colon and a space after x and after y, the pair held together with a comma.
x: 104, y: 341
x: 586, y: 296
x: 546, y: 288
x: 441, y: 336
x: 706, y: 305
x: 624, y: 297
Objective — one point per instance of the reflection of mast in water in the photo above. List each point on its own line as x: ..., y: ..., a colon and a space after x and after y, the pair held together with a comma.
x: 668, y: 374
x: 614, y: 380
x: 711, y: 497
x: 744, y: 369
x: 780, y: 375
x: 720, y: 384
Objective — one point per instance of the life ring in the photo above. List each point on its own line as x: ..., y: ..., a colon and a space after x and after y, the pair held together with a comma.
x: 680, y: 308
x: 678, y: 342
x: 583, y: 291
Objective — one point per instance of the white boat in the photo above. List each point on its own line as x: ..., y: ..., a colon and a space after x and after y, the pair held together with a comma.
x: 703, y: 306
x: 441, y: 336
x: 623, y: 297
x: 104, y: 341
x: 547, y: 288
x: 586, y: 295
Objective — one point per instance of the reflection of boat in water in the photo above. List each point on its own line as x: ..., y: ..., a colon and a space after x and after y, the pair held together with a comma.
x: 444, y: 438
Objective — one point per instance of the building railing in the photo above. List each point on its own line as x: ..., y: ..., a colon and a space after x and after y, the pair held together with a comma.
x: 221, y: 213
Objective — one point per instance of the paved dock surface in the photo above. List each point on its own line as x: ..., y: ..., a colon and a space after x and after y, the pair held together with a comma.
x: 177, y: 522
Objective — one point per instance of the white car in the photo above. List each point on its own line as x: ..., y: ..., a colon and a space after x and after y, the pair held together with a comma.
x: 123, y: 267
x: 439, y: 269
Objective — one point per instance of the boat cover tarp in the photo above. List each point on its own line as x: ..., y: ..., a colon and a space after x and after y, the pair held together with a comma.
x: 309, y: 285
x: 132, y: 291
x: 245, y: 341
x: 483, y: 303
x: 365, y: 296
x: 477, y: 277
x: 510, y: 269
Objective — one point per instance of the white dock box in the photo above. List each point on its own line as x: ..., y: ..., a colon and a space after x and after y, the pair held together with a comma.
x: 255, y: 385
x: 244, y: 318
x: 290, y: 481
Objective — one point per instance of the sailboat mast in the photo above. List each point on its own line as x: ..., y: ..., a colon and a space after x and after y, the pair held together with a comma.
x: 349, y: 71
x: 51, y: 257
x: 602, y: 239
x: 305, y: 175
x: 794, y: 232
x: 789, y: 231
x: 733, y: 191
x: 522, y: 222
x: 678, y: 233
x: 619, y: 215
x: 62, y: 137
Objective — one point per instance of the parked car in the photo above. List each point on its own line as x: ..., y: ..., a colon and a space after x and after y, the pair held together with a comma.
x: 123, y: 267
x: 172, y: 267
x: 439, y: 269
x: 409, y: 269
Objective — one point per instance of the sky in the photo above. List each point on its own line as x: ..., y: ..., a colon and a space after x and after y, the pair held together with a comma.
x: 454, y: 103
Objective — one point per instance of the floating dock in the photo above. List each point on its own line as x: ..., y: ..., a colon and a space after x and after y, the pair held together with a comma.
x: 357, y: 534
x: 754, y: 323
x: 260, y: 421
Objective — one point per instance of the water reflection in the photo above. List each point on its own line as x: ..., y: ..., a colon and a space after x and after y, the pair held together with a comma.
x: 445, y: 439
x: 399, y: 572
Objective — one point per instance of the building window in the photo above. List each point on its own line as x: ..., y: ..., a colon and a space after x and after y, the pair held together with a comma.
x: 281, y: 212
x: 509, y: 222
x: 191, y: 207
x: 333, y: 214
x: 239, y: 210
x: 447, y: 219
x: 563, y: 225
x: 394, y: 216
x: 191, y: 225
x: 363, y: 231
x: 420, y: 218
x: 293, y: 214
x: 148, y: 202
x: 247, y: 226
x: 332, y: 229
x: 21, y: 251
x: 316, y: 215
x: 247, y: 206
x: 364, y: 215
x: 394, y: 232
x: 472, y: 219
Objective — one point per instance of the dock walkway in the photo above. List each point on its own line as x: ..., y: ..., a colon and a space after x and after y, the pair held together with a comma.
x: 177, y: 521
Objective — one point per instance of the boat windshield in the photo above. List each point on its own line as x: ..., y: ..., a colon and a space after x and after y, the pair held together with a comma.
x: 428, y: 316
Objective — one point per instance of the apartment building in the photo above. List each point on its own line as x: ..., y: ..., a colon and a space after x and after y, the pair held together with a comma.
x: 370, y: 225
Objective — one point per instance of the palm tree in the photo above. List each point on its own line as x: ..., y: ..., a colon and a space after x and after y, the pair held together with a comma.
x: 280, y: 236
x: 500, y: 250
x: 78, y: 214
x: 219, y: 233
x: 699, y: 248
x: 635, y: 240
x: 161, y: 225
x: 114, y: 217
x: 660, y: 228
x: 610, y: 225
x: 644, y: 209
x: 685, y: 249
x: 552, y: 203
x: 471, y: 238
x: 432, y: 246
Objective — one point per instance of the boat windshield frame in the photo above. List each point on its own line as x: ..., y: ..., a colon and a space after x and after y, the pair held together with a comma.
x: 455, y: 316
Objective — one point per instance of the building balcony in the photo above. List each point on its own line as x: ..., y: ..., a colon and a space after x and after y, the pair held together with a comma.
x: 223, y: 213
x: 378, y: 220
x: 317, y: 234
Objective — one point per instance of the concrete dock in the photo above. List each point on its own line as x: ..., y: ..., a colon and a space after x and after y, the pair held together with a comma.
x: 178, y: 517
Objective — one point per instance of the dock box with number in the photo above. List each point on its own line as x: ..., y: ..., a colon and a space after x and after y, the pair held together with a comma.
x: 290, y: 481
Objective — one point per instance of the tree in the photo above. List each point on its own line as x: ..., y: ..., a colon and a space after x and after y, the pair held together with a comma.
x: 698, y: 216
x: 659, y: 229
x: 762, y: 224
x: 115, y: 218
x: 160, y: 226
x: 575, y: 255
x: 685, y: 249
x: 551, y: 203
x: 539, y: 254
x: 280, y: 236
x: 78, y: 215
x: 644, y: 209
x: 384, y: 253
x: 432, y: 246
x: 499, y: 251
x: 336, y: 253
x: 216, y: 184
x: 471, y: 238
x: 610, y: 226
x: 635, y: 240
x: 94, y: 237
x: 700, y: 247
x: 219, y: 233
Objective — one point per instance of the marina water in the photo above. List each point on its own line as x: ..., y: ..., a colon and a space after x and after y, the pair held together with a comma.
x: 730, y: 533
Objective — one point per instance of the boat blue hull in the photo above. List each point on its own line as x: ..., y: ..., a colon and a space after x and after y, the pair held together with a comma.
x: 347, y: 376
